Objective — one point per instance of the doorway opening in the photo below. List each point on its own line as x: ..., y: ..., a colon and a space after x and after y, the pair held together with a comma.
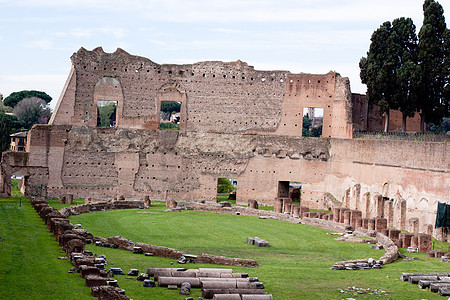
x: 226, y: 189
x: 17, y: 184
x: 291, y: 190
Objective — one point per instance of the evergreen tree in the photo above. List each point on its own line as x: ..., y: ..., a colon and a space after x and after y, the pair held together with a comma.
x: 379, y: 68
x: 8, y: 125
x: 431, y: 56
x: 16, y: 97
x: 446, y: 74
x: 407, y: 75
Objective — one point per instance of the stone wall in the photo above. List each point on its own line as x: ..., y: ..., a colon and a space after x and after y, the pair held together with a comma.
x: 236, y: 122
x: 367, y: 117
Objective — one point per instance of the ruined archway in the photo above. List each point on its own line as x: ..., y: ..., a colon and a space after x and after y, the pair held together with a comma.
x: 12, y: 163
x: 107, y: 93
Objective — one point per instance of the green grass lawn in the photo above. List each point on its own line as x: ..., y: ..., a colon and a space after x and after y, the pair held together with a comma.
x: 15, y: 191
x: 29, y: 265
x: 295, y: 266
x: 55, y: 203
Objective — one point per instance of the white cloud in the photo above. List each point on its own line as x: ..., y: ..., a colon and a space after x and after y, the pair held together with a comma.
x: 80, y: 33
x: 117, y: 32
x: 40, y: 44
x: 246, y: 11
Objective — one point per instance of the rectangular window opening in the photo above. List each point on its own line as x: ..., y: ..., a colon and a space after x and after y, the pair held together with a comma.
x: 106, y: 113
x: 312, y: 122
x: 170, y: 116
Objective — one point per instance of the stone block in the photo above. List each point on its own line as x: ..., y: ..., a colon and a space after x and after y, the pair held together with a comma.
x: 424, y: 241
x: 365, y: 223
x: 371, y: 224
x: 312, y: 215
x: 278, y: 205
x: 149, y: 283
x: 69, y: 199
x: 336, y: 214
x: 406, y: 239
x: 342, y: 214
x: 414, y: 225
x: 185, y: 288
x: 171, y: 203
x: 287, y: 208
x: 133, y: 272
x: 380, y: 224
x: 225, y: 203
x: 252, y: 204
x: 295, y: 210
x: 394, y: 234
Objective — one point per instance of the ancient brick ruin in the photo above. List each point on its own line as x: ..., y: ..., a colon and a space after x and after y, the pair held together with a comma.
x: 236, y: 122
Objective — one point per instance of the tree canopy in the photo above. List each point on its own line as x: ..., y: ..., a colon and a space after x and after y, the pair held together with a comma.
x: 32, y: 111
x: 170, y: 106
x: 409, y: 74
x: 8, y: 125
x: 433, y: 37
x: 224, y: 185
x: 16, y: 97
x: 390, y: 69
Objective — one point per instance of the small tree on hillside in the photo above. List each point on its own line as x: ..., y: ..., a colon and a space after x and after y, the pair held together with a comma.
x: 32, y: 111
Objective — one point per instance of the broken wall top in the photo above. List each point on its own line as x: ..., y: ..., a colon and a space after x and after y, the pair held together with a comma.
x: 229, y: 97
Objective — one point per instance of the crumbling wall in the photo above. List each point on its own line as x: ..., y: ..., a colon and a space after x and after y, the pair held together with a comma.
x: 401, y: 181
x: 236, y: 122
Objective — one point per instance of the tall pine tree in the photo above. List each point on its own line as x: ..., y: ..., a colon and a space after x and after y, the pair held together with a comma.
x: 407, y: 75
x: 431, y: 56
x: 390, y: 70
x: 377, y: 70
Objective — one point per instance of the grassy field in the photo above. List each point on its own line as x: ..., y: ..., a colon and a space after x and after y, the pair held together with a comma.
x: 15, y: 191
x: 29, y: 265
x: 295, y: 266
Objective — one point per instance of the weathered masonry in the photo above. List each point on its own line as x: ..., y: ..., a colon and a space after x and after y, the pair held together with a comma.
x: 235, y: 122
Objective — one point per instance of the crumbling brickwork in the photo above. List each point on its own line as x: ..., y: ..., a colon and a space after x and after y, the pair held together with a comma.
x: 236, y: 122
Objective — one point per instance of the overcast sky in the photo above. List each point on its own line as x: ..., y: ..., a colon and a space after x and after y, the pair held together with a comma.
x: 37, y: 37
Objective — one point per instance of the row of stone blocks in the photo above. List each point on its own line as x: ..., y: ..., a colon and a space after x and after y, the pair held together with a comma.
x: 73, y: 241
x: 421, y: 241
x: 439, y: 254
x: 160, y: 251
x: 354, y: 219
x: 146, y: 202
x: 285, y: 205
x: 434, y: 282
x: 215, y: 283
